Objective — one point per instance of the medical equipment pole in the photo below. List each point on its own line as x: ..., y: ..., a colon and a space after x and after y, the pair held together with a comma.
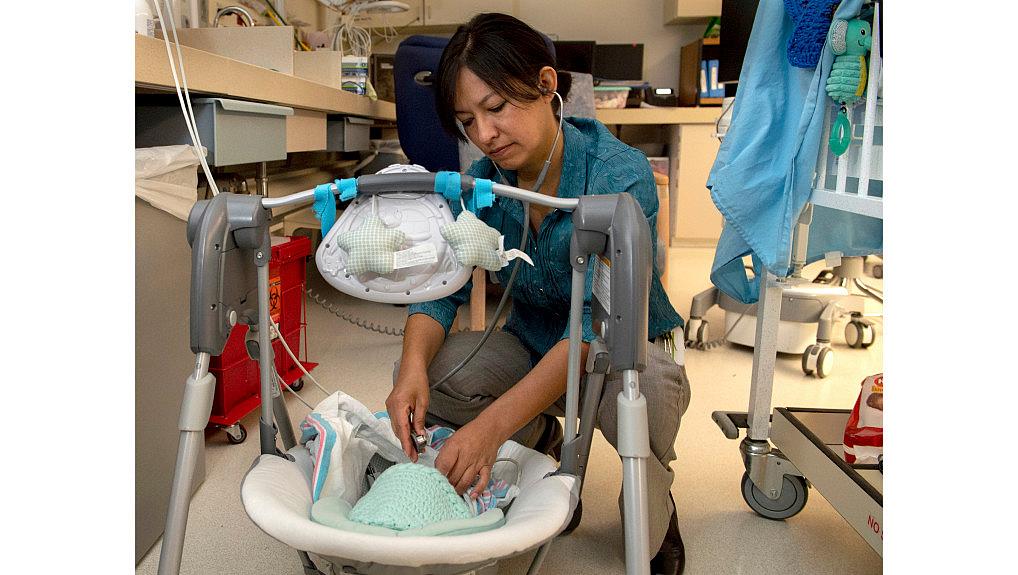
x: 194, y: 416
x: 634, y: 447
x: 283, y: 422
x: 266, y: 427
x: 614, y: 229
x: 575, y: 342
x: 764, y: 357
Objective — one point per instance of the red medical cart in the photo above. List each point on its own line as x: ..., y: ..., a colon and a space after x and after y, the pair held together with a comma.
x: 237, y: 376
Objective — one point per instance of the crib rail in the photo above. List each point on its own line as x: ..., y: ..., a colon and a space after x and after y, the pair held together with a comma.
x: 853, y: 182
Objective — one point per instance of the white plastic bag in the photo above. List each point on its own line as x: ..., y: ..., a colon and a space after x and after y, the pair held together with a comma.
x: 167, y: 178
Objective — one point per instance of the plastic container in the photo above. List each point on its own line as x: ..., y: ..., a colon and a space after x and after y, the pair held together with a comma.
x: 610, y: 96
x: 144, y: 21
x: 238, y: 379
x: 233, y: 131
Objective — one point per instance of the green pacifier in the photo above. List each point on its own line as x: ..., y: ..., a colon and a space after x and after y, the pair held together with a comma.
x: 841, y: 133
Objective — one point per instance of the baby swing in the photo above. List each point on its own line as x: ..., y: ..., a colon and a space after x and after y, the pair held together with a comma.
x: 229, y: 237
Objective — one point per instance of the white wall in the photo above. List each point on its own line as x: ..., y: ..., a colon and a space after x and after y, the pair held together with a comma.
x: 605, y: 22
x: 616, y: 22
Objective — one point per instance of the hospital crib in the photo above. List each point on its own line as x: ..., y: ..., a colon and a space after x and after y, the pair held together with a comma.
x: 792, y: 448
x: 229, y: 235
x: 810, y: 309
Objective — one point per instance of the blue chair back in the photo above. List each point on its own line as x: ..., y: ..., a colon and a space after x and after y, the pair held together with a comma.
x: 420, y: 133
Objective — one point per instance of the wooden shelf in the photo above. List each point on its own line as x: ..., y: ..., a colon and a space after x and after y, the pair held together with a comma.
x: 690, y: 57
x: 209, y: 73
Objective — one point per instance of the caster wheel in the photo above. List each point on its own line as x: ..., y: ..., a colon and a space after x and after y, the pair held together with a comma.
x: 859, y: 334
x: 691, y: 329
x: 236, y: 434
x: 818, y: 359
x: 297, y: 385
x: 878, y: 271
x: 794, y: 494
x: 703, y: 335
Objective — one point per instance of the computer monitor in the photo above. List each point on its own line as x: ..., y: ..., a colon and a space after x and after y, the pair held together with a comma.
x: 618, y: 62
x: 737, y: 18
x: 575, y: 56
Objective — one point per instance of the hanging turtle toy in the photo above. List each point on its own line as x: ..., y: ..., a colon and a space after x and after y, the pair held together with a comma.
x: 851, y: 41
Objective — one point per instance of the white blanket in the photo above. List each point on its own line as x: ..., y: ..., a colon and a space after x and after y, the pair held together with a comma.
x: 343, y: 435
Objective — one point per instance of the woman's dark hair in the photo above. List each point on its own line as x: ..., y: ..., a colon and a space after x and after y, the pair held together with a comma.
x: 505, y: 54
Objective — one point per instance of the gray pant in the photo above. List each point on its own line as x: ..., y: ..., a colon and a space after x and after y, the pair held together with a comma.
x: 503, y: 361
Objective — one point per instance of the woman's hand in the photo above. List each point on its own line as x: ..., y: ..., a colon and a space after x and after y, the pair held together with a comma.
x: 467, y: 455
x: 409, y: 397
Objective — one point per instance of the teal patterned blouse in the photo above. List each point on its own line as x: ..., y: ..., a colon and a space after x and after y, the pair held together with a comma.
x: 593, y: 162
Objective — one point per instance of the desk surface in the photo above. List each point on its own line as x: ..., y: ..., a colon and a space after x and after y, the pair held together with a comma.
x: 209, y: 73
x: 658, y: 116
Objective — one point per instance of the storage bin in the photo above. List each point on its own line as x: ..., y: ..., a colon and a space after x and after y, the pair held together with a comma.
x: 348, y: 134
x: 610, y: 96
x: 233, y: 131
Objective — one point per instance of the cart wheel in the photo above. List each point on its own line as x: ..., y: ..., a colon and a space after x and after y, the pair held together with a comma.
x: 859, y: 333
x: 703, y: 334
x: 690, y: 330
x: 869, y: 335
x: 809, y: 359
x: 825, y: 362
x: 818, y: 359
x: 794, y: 494
x: 236, y: 434
x: 297, y: 385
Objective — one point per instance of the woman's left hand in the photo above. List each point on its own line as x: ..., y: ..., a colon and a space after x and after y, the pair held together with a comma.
x: 468, y: 455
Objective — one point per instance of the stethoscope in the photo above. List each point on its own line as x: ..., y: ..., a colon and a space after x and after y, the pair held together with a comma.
x: 523, y: 242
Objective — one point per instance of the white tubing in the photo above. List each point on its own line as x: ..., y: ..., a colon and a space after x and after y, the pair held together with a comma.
x: 185, y: 103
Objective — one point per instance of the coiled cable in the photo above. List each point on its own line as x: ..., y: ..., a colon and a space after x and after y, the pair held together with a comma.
x: 362, y: 323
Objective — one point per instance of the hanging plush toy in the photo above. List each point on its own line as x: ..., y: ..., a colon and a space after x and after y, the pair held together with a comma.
x: 850, y: 40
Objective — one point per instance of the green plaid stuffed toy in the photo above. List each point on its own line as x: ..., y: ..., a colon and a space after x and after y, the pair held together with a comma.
x: 473, y: 242
x: 371, y: 247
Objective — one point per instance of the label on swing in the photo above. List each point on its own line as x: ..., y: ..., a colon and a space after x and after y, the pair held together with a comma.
x: 602, y: 286
x: 418, y: 255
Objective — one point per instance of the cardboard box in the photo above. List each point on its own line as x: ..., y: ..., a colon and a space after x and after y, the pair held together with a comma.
x: 321, y: 66
x: 266, y: 46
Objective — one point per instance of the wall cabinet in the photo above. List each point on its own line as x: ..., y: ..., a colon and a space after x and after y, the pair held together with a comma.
x: 697, y: 221
x: 690, y: 11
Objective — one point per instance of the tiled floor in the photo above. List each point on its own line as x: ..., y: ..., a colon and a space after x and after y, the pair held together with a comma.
x: 721, y: 534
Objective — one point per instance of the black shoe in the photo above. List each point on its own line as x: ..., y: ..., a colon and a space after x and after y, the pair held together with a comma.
x: 550, y: 442
x: 671, y: 558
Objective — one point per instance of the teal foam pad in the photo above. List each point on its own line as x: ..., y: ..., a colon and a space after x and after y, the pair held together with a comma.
x: 335, y: 512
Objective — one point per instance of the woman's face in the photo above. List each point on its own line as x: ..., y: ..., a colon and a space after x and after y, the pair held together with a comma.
x: 513, y: 134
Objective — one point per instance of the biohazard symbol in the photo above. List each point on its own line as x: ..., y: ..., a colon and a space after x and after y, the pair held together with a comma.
x: 275, y: 298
